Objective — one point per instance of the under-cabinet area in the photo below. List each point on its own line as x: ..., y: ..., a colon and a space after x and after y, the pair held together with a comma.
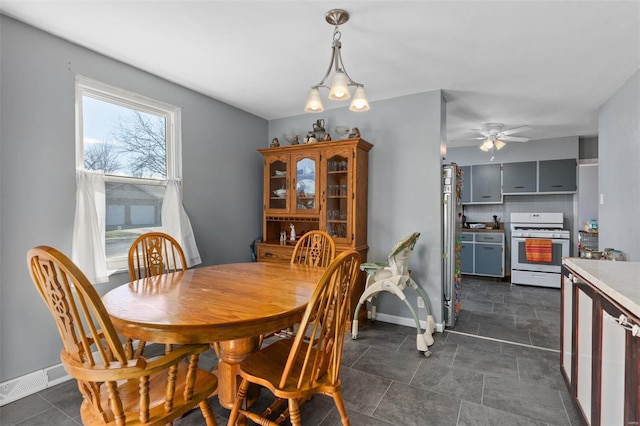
x: 482, y: 253
x: 600, y: 339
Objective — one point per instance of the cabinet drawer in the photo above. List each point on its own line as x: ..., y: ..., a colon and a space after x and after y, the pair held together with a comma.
x: 466, y: 236
x: 274, y: 253
x: 489, y: 238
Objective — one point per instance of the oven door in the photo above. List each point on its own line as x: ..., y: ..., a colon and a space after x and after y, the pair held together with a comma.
x: 559, y: 249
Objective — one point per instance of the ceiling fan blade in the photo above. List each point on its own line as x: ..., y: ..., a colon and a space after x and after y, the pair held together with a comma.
x: 516, y: 130
x: 513, y: 139
x: 480, y: 138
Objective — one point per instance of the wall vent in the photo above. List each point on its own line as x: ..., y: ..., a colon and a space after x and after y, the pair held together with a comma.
x: 31, y: 383
x: 22, y: 386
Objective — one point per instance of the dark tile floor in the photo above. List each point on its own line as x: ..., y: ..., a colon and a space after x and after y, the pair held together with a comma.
x: 498, y: 366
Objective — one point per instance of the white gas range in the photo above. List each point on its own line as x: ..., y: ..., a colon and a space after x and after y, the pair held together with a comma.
x: 538, y: 244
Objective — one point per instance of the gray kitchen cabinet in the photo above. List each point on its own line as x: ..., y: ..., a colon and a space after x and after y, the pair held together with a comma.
x: 557, y: 175
x: 486, y: 183
x: 482, y: 253
x: 466, y: 253
x: 466, y: 184
x: 519, y: 177
x: 488, y: 259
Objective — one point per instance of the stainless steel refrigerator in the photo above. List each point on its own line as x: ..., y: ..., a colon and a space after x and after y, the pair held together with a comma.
x: 452, y: 181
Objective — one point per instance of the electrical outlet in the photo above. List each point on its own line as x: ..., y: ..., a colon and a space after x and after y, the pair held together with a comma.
x: 420, y: 302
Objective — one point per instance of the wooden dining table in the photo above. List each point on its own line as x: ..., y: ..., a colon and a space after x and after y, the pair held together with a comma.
x: 230, y: 305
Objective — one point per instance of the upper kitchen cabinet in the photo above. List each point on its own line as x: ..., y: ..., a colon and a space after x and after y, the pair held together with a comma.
x: 557, y: 175
x: 486, y: 183
x: 520, y: 177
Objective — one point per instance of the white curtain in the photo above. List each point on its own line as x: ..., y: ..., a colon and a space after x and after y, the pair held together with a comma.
x: 176, y: 223
x: 88, y: 244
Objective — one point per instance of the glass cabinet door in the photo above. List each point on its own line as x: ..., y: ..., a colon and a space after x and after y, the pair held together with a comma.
x: 306, y: 184
x: 338, y: 213
x: 276, y: 184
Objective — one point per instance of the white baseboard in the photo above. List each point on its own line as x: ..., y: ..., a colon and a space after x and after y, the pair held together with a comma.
x: 409, y: 322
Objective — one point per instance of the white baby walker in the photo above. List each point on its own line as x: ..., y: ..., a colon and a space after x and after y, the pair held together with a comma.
x: 394, y: 277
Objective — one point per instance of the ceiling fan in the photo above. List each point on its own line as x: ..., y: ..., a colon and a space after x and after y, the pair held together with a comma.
x: 494, y: 137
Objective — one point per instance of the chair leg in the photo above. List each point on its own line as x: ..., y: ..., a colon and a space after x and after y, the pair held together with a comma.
x: 294, y: 412
x: 207, y: 412
x: 235, y: 410
x: 337, y: 398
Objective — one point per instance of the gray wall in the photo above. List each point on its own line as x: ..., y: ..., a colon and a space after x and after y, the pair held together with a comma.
x: 619, y: 171
x: 222, y: 175
x: 404, y: 182
x: 538, y: 149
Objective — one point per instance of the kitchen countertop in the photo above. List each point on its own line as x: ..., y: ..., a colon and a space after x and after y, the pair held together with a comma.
x: 489, y: 229
x: 618, y: 280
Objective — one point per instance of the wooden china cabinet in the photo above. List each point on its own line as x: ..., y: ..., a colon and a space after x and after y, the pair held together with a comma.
x: 316, y: 186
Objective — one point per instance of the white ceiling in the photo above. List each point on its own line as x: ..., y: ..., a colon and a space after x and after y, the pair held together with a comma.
x: 546, y: 64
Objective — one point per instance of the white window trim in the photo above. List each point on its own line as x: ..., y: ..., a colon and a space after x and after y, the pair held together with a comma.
x: 172, y: 114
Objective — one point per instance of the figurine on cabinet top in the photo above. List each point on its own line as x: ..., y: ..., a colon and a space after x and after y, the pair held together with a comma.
x: 355, y: 133
x: 275, y: 143
x: 327, y: 137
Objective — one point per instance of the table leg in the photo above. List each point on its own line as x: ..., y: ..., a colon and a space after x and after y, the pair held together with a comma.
x: 232, y: 352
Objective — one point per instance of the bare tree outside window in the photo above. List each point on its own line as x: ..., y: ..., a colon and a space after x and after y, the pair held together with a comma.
x: 135, y: 146
x: 141, y: 140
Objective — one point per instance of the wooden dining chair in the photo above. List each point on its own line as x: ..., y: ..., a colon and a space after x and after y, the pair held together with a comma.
x: 117, y: 388
x: 314, y: 248
x: 296, y: 369
x: 151, y: 254
x: 155, y: 253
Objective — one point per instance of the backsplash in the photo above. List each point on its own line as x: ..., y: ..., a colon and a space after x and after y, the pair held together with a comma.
x: 552, y: 203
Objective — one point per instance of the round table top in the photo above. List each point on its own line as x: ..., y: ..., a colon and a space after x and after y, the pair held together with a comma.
x: 213, y: 303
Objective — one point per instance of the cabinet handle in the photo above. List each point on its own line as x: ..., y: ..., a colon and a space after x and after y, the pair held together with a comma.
x: 557, y: 186
x: 518, y: 187
x: 267, y: 254
x: 488, y: 248
x: 486, y: 196
x: 627, y: 325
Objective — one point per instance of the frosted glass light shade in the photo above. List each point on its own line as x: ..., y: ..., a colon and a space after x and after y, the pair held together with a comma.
x: 499, y: 144
x: 314, y: 103
x: 359, y: 102
x: 339, y: 90
x: 486, y: 145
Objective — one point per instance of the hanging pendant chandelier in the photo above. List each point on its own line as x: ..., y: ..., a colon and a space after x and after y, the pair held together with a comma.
x: 340, y: 83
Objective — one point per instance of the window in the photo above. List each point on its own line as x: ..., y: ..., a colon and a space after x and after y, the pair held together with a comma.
x: 135, y: 141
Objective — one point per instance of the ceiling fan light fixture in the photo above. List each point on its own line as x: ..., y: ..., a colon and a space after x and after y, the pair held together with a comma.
x: 486, y: 145
x: 340, y: 82
x: 499, y: 144
x: 495, y: 137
